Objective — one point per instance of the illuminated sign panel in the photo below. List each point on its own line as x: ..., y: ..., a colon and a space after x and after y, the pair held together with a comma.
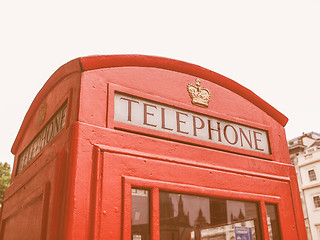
x: 152, y: 115
x: 52, y: 128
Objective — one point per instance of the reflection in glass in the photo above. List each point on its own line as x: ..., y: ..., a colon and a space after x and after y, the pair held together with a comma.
x: 140, y: 224
x: 188, y: 217
x: 273, y: 224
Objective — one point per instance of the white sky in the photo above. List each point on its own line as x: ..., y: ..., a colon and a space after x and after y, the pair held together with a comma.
x: 271, y: 47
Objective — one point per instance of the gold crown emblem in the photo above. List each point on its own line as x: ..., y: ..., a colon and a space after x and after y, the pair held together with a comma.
x: 200, y: 96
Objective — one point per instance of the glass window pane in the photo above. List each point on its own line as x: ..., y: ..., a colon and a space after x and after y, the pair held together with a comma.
x: 140, y: 223
x: 188, y: 217
x: 316, y: 200
x: 312, y: 175
x: 273, y: 224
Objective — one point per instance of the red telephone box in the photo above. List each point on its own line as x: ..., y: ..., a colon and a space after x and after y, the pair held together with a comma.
x: 140, y: 147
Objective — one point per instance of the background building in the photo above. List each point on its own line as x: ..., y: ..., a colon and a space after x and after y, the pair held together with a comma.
x: 305, y: 156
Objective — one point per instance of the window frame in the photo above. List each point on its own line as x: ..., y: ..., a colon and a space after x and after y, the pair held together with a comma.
x: 313, y: 175
x: 318, y: 201
x: 155, y: 186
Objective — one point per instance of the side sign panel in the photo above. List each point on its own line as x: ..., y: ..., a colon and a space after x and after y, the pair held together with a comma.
x: 152, y: 115
x: 52, y: 128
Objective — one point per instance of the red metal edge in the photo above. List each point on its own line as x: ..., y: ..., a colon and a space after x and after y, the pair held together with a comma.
x: 109, y: 61
x: 59, y: 74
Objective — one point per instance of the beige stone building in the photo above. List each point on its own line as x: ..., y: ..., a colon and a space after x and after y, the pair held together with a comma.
x: 305, y: 156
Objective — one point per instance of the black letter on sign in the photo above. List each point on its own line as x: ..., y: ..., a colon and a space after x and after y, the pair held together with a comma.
x: 235, y: 134
x: 242, y: 134
x: 195, y: 125
x: 256, y: 140
x: 146, y: 113
x: 163, y: 120
x: 129, y: 107
x: 179, y: 121
x: 212, y: 129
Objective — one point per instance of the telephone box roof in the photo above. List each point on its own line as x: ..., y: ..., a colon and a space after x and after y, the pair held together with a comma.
x: 109, y: 61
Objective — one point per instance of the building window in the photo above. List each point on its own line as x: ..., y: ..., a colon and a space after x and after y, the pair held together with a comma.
x: 316, y: 200
x: 312, y: 175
